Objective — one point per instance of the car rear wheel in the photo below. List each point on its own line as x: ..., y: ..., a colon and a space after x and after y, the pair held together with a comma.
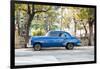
x: 70, y: 46
x: 37, y: 47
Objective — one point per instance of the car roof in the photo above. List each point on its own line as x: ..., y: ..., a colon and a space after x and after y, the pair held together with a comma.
x: 56, y: 31
x: 59, y: 31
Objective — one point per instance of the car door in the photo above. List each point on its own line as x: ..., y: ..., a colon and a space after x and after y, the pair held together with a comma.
x: 65, y: 36
x: 57, y: 41
x: 51, y: 42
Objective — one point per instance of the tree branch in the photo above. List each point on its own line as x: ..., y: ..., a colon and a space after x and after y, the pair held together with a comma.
x: 42, y: 10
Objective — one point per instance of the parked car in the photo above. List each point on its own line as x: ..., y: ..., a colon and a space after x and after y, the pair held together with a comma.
x: 55, y: 39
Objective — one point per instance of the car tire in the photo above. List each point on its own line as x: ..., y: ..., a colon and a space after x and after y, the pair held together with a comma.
x: 70, y: 46
x: 37, y: 47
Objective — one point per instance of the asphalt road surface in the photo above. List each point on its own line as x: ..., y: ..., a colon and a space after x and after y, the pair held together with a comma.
x: 27, y: 56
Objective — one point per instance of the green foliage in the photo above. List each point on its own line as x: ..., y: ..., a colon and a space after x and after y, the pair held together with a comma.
x: 46, y: 17
x: 86, y: 13
x: 38, y: 32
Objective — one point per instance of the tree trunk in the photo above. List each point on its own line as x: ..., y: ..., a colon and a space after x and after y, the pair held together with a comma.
x: 75, y: 29
x: 85, y: 29
x: 31, y: 14
x: 30, y: 18
x: 90, y: 31
x: 75, y: 26
x: 17, y: 30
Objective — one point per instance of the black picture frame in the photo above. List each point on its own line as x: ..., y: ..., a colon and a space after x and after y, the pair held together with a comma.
x: 12, y: 33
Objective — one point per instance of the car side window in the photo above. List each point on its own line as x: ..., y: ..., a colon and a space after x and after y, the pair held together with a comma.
x: 64, y: 35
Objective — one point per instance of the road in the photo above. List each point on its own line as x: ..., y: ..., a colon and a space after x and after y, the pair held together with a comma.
x: 53, y: 55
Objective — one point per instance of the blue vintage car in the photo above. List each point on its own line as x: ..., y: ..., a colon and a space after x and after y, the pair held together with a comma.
x: 55, y: 39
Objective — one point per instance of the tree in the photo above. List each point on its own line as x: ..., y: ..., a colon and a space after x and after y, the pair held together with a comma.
x: 30, y: 10
x: 73, y: 12
x: 88, y: 14
x: 47, y: 20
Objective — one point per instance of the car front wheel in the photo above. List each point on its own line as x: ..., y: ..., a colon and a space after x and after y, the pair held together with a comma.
x: 70, y: 46
x: 37, y: 47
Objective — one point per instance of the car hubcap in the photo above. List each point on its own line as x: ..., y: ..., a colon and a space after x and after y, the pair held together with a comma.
x: 70, y: 46
x: 37, y: 47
